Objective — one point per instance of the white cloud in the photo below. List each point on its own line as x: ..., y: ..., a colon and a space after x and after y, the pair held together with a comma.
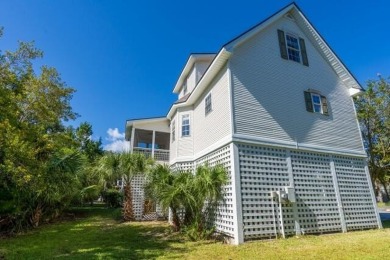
x: 117, y: 146
x: 114, y: 134
x: 117, y: 142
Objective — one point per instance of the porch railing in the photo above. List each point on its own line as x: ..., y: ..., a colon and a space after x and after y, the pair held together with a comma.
x: 159, y: 154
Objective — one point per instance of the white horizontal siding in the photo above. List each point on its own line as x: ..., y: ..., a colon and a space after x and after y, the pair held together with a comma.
x: 268, y: 94
x: 210, y: 128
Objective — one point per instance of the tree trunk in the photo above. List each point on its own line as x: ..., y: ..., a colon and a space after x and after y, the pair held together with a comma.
x: 175, y: 220
x: 128, y: 214
x: 385, y: 188
x: 188, y: 217
x: 36, y: 216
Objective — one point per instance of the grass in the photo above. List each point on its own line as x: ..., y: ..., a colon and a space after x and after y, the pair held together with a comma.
x: 98, y: 235
x: 383, y: 204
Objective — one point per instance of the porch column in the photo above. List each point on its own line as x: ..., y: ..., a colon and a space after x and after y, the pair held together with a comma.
x: 153, y: 142
x: 237, y: 200
x: 132, y: 139
x: 292, y: 185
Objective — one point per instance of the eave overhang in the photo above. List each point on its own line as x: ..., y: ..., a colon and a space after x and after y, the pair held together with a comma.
x: 293, y: 10
x: 215, y: 66
x: 220, y: 60
x: 131, y: 122
x: 188, y: 66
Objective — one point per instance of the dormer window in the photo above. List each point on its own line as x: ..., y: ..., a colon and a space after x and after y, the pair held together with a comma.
x: 292, y: 48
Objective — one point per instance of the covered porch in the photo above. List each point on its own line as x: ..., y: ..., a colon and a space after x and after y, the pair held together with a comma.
x: 152, y: 144
x: 150, y: 137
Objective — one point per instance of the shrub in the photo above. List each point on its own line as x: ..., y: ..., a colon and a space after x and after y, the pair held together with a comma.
x: 113, y: 198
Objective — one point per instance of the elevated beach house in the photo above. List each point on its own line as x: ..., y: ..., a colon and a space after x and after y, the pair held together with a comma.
x: 274, y: 106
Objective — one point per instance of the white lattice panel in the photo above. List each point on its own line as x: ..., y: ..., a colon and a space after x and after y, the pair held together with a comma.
x: 223, y: 219
x: 183, y: 166
x: 263, y: 170
x: 314, y: 189
x: 355, y: 193
x: 137, y: 188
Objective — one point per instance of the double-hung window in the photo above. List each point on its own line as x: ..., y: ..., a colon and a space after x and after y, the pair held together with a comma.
x: 316, y: 103
x: 292, y: 48
x: 185, y: 125
x: 208, y: 104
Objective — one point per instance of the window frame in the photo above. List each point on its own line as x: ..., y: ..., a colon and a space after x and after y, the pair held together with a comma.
x: 311, y: 103
x: 173, y: 131
x: 208, y: 104
x: 314, y: 103
x: 185, y: 132
x: 292, y: 48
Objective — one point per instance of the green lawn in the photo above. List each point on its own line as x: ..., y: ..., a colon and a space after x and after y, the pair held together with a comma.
x: 383, y: 204
x: 97, y: 235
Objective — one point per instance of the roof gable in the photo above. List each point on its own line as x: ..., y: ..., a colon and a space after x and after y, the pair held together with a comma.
x: 293, y: 11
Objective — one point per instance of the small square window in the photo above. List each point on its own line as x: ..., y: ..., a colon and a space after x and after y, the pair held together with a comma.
x: 185, y: 125
x: 208, y: 104
x: 316, y: 103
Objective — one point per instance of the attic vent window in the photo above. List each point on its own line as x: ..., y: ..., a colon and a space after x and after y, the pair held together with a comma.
x: 292, y: 48
x: 290, y: 16
x: 316, y: 103
x: 185, y: 89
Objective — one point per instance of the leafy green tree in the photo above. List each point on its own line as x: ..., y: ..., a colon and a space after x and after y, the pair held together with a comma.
x: 90, y: 148
x: 373, y: 110
x: 38, y: 159
x: 91, y: 180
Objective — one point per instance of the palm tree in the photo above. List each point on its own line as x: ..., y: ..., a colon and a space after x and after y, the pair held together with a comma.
x: 162, y: 187
x: 131, y: 165
x: 108, y: 169
x: 208, y: 190
x: 125, y: 165
x: 195, y: 193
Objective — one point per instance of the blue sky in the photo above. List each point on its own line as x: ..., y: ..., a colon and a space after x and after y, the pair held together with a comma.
x: 124, y: 57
